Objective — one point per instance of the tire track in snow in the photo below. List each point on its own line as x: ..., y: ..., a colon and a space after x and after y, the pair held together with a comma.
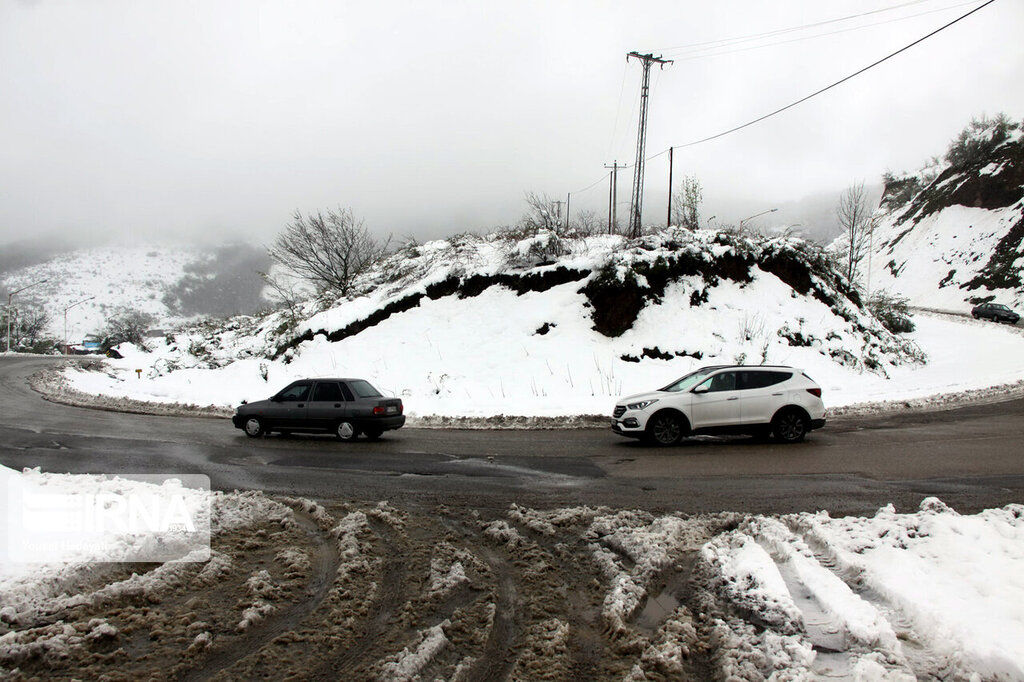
x: 390, y: 597
x: 326, y: 562
x: 920, y: 655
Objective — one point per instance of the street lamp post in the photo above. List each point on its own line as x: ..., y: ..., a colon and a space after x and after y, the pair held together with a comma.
x: 10, y: 297
x: 66, y: 320
x: 757, y: 215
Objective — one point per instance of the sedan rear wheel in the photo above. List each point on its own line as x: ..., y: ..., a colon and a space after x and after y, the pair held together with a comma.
x: 664, y: 429
x: 254, y: 427
x: 790, y: 427
x: 346, y: 431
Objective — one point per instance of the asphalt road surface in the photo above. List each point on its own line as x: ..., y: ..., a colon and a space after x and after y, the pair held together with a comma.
x: 972, y: 458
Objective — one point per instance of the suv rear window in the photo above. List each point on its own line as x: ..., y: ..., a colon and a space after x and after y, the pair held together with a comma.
x: 327, y: 392
x: 763, y: 379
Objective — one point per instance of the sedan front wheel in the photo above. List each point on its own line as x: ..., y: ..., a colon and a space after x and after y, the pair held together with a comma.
x: 254, y: 427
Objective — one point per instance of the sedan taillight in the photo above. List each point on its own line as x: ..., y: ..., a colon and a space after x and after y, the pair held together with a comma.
x: 816, y: 392
x: 380, y: 409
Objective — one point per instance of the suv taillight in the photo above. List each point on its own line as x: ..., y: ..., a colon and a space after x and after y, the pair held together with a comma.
x: 816, y: 392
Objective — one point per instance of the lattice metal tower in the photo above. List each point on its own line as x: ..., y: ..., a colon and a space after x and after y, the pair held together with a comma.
x: 636, y: 202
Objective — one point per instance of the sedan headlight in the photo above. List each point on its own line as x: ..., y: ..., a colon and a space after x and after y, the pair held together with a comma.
x: 640, y: 405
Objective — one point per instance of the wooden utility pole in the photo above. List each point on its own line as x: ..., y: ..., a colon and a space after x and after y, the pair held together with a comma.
x: 668, y: 221
x: 613, y: 196
x: 636, y: 202
x: 567, y: 197
x: 558, y: 208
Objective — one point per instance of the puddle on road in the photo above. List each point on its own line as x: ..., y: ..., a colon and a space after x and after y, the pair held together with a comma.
x: 655, y: 611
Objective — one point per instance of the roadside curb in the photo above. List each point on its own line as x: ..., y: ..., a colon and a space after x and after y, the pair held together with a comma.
x: 54, y: 387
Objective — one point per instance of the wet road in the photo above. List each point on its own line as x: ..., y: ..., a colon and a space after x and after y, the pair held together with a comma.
x: 971, y: 457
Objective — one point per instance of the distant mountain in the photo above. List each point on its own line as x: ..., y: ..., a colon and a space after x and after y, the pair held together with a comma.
x: 172, y: 284
x: 951, y: 235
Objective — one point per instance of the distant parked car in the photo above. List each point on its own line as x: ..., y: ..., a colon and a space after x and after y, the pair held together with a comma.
x: 725, y: 399
x: 997, y: 312
x: 344, y: 407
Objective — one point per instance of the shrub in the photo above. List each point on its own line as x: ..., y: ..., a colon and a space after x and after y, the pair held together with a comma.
x: 978, y: 139
x: 892, y: 311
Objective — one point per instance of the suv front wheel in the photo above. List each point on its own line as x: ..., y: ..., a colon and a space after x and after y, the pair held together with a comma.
x: 789, y: 426
x: 665, y: 428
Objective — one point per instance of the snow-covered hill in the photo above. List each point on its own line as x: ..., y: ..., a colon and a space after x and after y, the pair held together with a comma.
x: 536, y: 325
x: 120, y: 278
x: 173, y: 284
x: 952, y: 234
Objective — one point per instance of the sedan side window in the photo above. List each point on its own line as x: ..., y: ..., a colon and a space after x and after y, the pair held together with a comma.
x: 327, y: 392
x: 296, y: 393
x: 347, y: 392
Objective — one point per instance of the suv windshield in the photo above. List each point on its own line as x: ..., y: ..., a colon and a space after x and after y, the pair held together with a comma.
x: 363, y: 389
x: 688, y: 381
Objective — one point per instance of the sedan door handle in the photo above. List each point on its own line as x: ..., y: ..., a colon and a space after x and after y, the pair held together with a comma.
x: 735, y: 397
x: 776, y: 394
x: 337, y: 404
x: 301, y: 405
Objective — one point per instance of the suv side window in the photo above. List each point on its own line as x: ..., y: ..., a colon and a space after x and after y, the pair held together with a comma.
x: 294, y: 394
x: 327, y: 392
x: 726, y: 381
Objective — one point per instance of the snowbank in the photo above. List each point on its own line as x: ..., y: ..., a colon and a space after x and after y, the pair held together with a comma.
x: 931, y: 593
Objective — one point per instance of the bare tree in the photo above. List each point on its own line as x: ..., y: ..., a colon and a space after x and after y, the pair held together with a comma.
x: 127, y: 326
x: 541, y: 213
x: 686, y: 203
x: 28, y: 325
x: 330, y: 251
x: 587, y: 223
x: 857, y: 223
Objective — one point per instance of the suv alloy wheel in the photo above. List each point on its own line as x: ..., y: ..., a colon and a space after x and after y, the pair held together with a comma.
x: 665, y: 428
x: 789, y: 427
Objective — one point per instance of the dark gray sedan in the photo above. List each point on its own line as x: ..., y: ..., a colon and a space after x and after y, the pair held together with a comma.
x: 344, y: 407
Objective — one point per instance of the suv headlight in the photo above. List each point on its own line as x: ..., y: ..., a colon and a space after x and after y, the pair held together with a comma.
x: 640, y: 405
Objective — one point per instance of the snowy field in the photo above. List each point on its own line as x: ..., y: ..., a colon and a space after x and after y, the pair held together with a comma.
x: 371, y: 591
x: 571, y: 370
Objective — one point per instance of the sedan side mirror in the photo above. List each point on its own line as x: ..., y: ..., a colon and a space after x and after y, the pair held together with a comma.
x: 700, y: 389
x: 275, y: 398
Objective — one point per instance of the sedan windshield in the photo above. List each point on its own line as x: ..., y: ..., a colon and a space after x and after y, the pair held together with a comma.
x: 688, y: 381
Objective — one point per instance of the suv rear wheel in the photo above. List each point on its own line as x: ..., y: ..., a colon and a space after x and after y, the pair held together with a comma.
x: 789, y: 426
x: 665, y: 428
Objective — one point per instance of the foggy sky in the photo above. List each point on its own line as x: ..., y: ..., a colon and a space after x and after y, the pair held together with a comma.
x: 139, y: 120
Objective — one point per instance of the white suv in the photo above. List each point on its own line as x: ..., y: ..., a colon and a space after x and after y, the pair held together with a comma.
x: 782, y: 401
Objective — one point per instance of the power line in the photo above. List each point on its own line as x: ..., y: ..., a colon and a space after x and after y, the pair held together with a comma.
x: 705, y: 55
x: 765, y: 34
x: 593, y: 184
x: 838, y: 82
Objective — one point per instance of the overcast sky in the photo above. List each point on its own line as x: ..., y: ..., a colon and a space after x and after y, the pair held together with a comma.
x: 140, y: 120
